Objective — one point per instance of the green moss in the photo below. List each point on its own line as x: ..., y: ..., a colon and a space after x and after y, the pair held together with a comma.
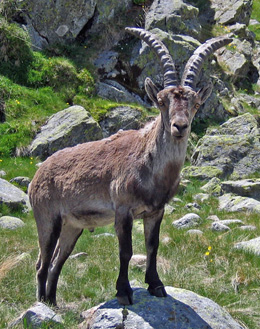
x: 203, y: 173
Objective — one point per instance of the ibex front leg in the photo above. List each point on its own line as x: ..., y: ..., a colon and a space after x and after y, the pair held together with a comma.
x: 152, y: 230
x: 123, y: 226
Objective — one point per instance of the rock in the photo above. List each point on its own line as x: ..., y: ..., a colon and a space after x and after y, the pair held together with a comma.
x: 175, y: 16
x: 201, y: 173
x: 231, y: 203
x: 112, y: 90
x: 232, y: 11
x: 247, y: 228
x: 13, y: 197
x: 168, y: 210
x: 217, y: 226
x: 69, y: 127
x: 251, y: 246
x: 201, y: 197
x: 138, y: 261
x: 195, y: 232
x: 232, y: 149
x: 106, y: 234
x: 22, y: 181
x: 192, y: 206
x: 166, y: 240
x: 79, y: 255
x: 122, y: 117
x: 213, y: 218
x: 65, y: 21
x: 230, y: 222
x: 11, y: 223
x: 187, y: 221
x: 106, y: 64
x: 213, y: 187
x: 138, y: 226
x: 37, y: 316
x: 246, y: 187
x: 2, y: 173
x: 180, y: 309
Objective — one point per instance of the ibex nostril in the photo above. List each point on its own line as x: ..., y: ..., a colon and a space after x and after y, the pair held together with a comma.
x: 180, y: 127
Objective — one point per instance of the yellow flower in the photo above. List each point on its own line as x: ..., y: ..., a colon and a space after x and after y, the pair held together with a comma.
x: 207, y: 253
x: 31, y: 162
x: 209, y: 248
x: 1, y: 160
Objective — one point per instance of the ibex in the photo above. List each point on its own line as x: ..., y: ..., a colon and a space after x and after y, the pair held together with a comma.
x: 129, y: 175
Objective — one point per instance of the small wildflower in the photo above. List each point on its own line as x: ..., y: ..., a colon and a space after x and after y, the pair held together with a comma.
x: 211, y: 260
x: 207, y: 253
x: 31, y: 162
x: 1, y: 160
x: 209, y: 248
x: 31, y: 158
x: 17, y: 102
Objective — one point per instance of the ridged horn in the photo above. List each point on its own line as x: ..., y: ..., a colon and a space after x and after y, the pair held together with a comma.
x: 194, y: 64
x: 169, y: 71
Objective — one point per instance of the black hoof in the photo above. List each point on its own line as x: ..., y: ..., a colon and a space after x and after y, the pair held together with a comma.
x: 125, y: 300
x: 158, y: 291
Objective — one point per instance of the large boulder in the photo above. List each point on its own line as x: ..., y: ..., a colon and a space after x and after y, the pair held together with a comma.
x: 233, y: 148
x: 121, y: 117
x: 246, y: 187
x: 175, y: 16
x: 13, y: 197
x: 232, y: 11
x: 180, y: 309
x: 232, y: 203
x: 66, y: 128
x: 61, y: 21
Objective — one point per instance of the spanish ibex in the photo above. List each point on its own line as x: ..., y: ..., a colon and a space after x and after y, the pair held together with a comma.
x: 132, y: 174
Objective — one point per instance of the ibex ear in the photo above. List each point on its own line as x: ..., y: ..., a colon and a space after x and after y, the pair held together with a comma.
x: 151, y: 90
x: 205, y: 92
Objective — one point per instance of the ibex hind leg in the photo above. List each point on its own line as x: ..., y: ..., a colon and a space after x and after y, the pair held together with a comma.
x: 48, y: 238
x: 68, y: 238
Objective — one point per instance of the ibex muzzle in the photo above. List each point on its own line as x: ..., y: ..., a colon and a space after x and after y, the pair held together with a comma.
x: 132, y: 174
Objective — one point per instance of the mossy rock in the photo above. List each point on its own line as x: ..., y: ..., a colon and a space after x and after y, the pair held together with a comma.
x: 202, y: 173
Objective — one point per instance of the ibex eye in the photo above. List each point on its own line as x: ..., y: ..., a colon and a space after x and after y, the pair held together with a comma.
x: 197, y: 106
x: 160, y: 102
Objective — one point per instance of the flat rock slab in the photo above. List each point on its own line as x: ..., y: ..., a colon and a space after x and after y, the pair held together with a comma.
x: 181, y: 309
x: 13, y: 197
x: 251, y: 246
x: 231, y: 203
x: 245, y: 187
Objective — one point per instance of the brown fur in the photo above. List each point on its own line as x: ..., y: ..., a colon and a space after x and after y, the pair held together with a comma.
x: 130, y: 175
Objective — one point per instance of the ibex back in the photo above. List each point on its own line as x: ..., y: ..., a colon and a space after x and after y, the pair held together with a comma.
x: 132, y: 174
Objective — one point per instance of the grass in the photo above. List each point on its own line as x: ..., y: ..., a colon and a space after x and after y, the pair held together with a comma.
x: 86, y: 282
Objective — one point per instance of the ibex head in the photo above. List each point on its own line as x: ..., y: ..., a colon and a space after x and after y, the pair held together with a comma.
x: 178, y: 102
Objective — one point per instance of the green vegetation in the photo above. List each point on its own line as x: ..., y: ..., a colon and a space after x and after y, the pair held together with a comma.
x: 205, y: 264
x: 256, y: 15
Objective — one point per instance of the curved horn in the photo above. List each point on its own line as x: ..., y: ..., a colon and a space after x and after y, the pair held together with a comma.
x: 194, y: 64
x: 169, y: 71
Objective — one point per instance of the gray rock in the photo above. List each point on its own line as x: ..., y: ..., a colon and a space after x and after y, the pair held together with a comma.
x: 22, y: 181
x: 175, y: 16
x: 201, y: 197
x: 106, y: 63
x: 213, y: 218
x: 246, y: 187
x: 231, y: 203
x: 247, y: 228
x: 194, y: 232
x: 69, y: 127
x: 213, y: 187
x: 217, y: 226
x: 187, y: 221
x: 166, y: 240
x: 168, y: 210
x: 138, y: 261
x: 11, y: 223
x: 232, y: 149
x: 13, y: 197
x: 232, y: 11
x: 2, y: 173
x: 231, y: 222
x: 180, y: 309
x: 79, y: 255
x: 122, y: 117
x: 251, y: 246
x: 112, y: 90
x: 201, y: 172
x: 37, y: 316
